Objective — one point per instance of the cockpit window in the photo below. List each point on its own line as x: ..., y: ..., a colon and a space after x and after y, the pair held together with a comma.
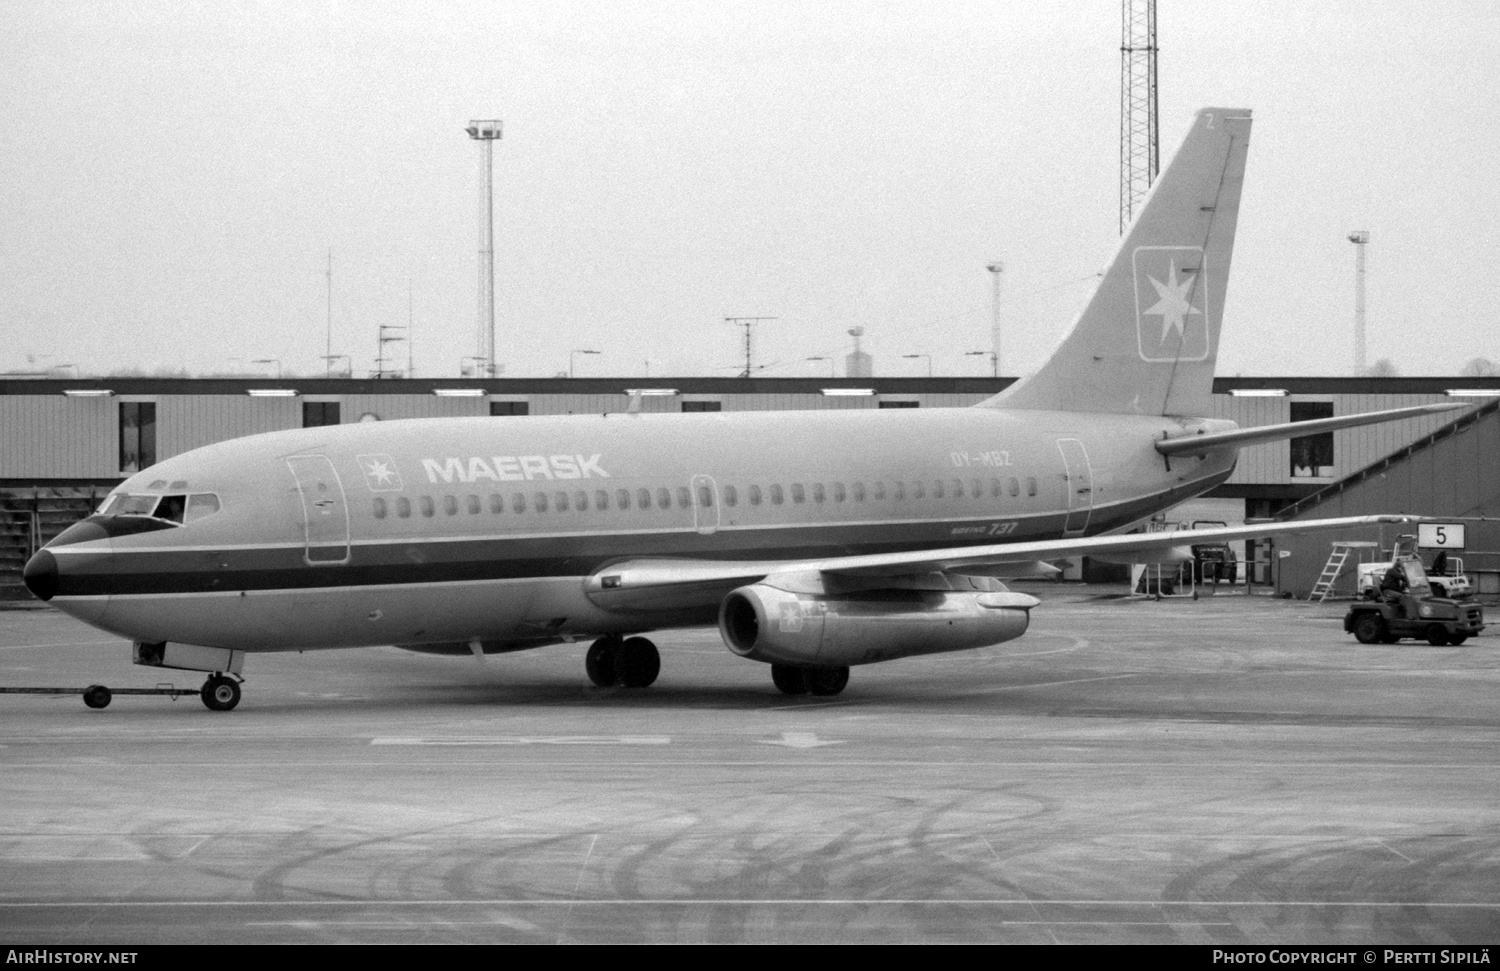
x: 201, y: 504
x: 108, y: 504
x: 173, y: 509
x: 135, y: 505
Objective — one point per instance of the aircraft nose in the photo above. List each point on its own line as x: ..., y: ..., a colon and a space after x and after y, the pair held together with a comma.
x: 40, y: 575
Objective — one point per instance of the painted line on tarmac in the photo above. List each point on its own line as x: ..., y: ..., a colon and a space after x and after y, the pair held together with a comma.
x: 531, y: 740
x: 1046, y: 684
x: 1153, y: 903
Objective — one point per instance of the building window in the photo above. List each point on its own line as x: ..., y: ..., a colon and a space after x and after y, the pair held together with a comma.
x: 316, y: 414
x: 501, y: 409
x: 1312, y: 455
x: 137, y: 435
x: 703, y: 406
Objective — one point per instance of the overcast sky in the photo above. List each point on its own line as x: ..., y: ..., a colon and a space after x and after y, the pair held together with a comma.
x: 175, y: 174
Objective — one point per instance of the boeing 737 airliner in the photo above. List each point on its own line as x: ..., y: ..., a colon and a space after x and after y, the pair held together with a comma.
x: 833, y: 539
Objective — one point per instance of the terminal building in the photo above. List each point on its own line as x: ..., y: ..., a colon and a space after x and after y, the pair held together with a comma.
x: 64, y: 444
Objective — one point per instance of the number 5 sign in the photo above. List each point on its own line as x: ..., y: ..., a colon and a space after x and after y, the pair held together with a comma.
x: 1440, y: 536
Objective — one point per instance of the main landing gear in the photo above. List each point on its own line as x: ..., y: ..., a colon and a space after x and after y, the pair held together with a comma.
x: 632, y: 662
x: 793, y: 680
x: 220, y: 693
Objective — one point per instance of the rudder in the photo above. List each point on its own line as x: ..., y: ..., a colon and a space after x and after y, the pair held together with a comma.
x: 1147, y: 341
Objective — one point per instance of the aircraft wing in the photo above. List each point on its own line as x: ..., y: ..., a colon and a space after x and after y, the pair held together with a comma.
x: 652, y: 583
x: 1240, y: 437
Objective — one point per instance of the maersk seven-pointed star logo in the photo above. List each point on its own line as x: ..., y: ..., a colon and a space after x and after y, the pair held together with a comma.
x: 1171, y: 300
x: 380, y: 473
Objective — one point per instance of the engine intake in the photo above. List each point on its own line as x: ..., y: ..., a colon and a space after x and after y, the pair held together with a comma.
x: 764, y: 623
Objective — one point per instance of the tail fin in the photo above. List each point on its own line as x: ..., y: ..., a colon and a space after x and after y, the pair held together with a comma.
x: 1147, y: 340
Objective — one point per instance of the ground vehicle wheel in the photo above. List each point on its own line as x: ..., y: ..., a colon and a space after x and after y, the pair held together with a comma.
x: 1369, y: 628
x: 599, y: 662
x: 790, y: 679
x: 826, y: 682
x: 96, y: 696
x: 1456, y: 639
x: 637, y: 662
x: 1437, y: 635
x: 220, y: 693
x: 1390, y: 639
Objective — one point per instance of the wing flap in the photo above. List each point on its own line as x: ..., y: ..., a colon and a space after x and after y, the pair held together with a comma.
x: 679, y: 583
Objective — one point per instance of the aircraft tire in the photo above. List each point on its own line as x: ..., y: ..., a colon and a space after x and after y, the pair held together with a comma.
x: 826, y: 682
x: 599, y: 662
x: 96, y: 696
x: 220, y: 693
x: 637, y: 663
x: 1369, y: 628
x: 1437, y: 635
x: 789, y: 679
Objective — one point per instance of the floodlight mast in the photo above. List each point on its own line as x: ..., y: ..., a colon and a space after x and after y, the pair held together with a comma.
x: 1360, y: 238
x: 486, y: 133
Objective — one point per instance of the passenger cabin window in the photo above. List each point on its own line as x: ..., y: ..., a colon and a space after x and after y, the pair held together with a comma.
x: 504, y: 409
x: 731, y: 496
x: 776, y: 495
x: 684, y: 498
x: 428, y: 509
x: 379, y: 507
x: 497, y: 503
x: 755, y: 495
x: 702, y: 406
x: 818, y: 494
x: 450, y: 505
x: 473, y: 504
x: 798, y: 493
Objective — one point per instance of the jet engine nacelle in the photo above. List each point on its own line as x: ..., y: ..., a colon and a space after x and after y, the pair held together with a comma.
x: 764, y: 623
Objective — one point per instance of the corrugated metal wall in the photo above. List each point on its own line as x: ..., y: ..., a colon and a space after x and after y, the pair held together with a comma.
x: 1456, y: 476
x: 49, y: 436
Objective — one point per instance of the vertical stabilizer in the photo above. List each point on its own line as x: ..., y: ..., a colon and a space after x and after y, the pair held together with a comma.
x: 1146, y: 342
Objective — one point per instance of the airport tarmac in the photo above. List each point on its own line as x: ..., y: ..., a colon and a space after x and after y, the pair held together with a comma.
x: 1232, y: 770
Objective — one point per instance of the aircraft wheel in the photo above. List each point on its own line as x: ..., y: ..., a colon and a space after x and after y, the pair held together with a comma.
x: 96, y: 696
x: 826, y: 682
x: 599, y: 662
x: 637, y: 663
x: 220, y: 693
x: 1369, y: 628
x: 1437, y: 635
x: 791, y: 680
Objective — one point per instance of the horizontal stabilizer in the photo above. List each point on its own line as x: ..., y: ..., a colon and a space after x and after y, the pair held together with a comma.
x: 1239, y: 438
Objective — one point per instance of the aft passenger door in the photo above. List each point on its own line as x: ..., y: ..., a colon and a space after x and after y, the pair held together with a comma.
x: 1078, y: 483
x: 705, y: 504
x: 325, y: 514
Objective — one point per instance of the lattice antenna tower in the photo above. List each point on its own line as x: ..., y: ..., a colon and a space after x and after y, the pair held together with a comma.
x: 747, y: 323
x: 1139, y: 153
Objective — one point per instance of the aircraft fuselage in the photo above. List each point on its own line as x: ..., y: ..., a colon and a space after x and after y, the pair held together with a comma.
x: 444, y: 531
